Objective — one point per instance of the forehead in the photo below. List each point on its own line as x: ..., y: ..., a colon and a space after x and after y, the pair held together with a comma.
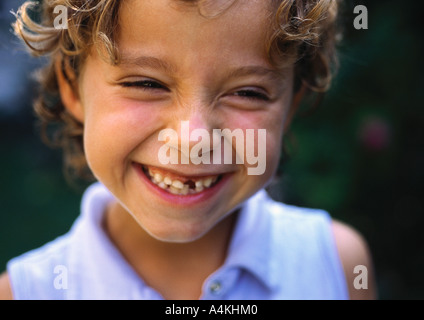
x: 163, y: 25
x: 206, y: 8
x: 209, y: 8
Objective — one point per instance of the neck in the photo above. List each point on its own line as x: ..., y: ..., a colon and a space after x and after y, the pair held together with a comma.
x: 176, y: 270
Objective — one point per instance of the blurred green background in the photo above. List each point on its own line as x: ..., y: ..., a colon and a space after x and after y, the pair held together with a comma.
x: 359, y: 155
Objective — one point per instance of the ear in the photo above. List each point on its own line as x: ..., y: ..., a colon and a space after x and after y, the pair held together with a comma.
x: 297, y: 99
x: 68, y: 94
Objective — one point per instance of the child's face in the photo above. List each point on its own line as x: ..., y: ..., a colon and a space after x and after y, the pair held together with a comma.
x: 179, y: 66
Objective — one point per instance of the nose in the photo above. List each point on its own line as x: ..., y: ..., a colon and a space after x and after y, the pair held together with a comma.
x: 191, y: 133
x: 196, y: 138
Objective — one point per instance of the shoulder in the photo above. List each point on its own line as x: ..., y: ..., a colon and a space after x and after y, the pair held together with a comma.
x: 5, y: 289
x: 31, y: 274
x: 304, y: 248
x: 356, y: 260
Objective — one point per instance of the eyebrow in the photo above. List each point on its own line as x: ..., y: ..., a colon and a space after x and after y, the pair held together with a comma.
x: 255, y: 71
x: 146, y: 61
x: 128, y: 60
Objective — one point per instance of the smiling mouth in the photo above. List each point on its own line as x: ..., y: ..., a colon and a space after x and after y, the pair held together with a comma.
x: 180, y: 185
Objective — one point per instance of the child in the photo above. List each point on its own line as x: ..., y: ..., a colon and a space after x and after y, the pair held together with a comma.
x: 166, y: 102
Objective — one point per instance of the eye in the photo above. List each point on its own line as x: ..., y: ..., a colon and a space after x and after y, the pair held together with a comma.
x: 145, y: 85
x: 252, y: 94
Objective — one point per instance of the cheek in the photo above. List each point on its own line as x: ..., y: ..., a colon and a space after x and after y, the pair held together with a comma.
x: 114, y: 130
x: 104, y: 146
x: 275, y: 132
x: 263, y: 139
x: 273, y: 149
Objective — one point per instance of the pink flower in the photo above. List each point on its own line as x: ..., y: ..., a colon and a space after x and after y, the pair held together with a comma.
x: 374, y: 133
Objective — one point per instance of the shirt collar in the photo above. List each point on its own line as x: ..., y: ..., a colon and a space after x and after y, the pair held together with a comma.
x: 250, y: 246
x: 100, y: 259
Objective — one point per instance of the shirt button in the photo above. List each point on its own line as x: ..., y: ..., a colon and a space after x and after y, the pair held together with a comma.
x: 215, y: 287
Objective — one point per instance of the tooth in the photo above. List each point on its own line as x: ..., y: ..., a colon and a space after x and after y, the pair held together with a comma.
x: 178, y: 187
x: 174, y: 190
x: 158, y: 177
x: 207, y: 182
x: 167, y: 181
x: 150, y: 172
x: 184, y: 191
x: 177, y: 184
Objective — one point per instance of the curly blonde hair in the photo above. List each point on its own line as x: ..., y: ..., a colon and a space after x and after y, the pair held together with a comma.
x: 304, y: 30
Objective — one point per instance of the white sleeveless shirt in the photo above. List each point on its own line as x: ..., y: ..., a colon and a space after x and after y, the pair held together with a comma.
x: 277, y: 251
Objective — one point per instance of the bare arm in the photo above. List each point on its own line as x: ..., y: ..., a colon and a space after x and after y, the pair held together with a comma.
x: 357, y: 262
x: 5, y: 290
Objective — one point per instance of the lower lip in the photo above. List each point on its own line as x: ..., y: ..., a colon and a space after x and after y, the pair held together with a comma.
x: 183, y: 200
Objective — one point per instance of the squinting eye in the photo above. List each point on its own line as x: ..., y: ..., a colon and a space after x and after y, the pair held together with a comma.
x: 252, y: 94
x: 144, y: 84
